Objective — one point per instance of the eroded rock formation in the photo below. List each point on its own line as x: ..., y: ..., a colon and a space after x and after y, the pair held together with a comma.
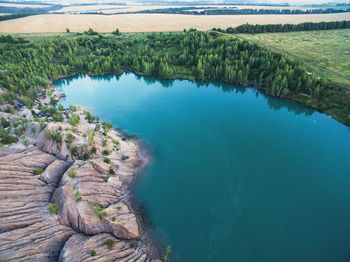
x: 91, y: 199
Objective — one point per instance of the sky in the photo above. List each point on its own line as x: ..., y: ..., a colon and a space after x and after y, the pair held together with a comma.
x: 292, y: 2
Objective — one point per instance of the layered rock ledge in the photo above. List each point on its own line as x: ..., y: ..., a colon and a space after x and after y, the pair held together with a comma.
x: 58, y: 207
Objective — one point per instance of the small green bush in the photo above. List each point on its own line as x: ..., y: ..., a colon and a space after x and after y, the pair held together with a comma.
x: 74, y: 151
x: 97, y: 211
x: 19, y: 130
x: 71, y: 173
x: 104, y: 142
x: 39, y: 171
x: 86, y: 156
x: 114, y: 218
x: 9, y: 110
x: 16, y: 124
x: 60, y: 107
x: 69, y: 138
x: 106, y: 152
x: 91, y: 136
x: 93, y: 150
x: 166, y: 254
x: 109, y: 125
x: 72, y: 108
x: 58, y: 138
x: 93, y: 253
x: 48, y: 134
x: 77, y: 196
x: 42, y: 123
x: 54, y: 209
x: 111, y: 170
x: 33, y: 129
x: 57, y: 117
x: 6, y: 138
x: 107, y: 160
x: 89, y: 116
x: 4, y: 122
x: 110, y: 243
x: 74, y: 120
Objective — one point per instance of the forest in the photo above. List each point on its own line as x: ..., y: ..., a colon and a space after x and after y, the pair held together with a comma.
x: 28, y: 10
x: 274, y: 28
x: 246, y: 11
x: 27, y: 66
x: 14, y: 16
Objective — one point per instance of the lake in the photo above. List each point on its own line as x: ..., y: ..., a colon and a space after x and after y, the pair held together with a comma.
x: 234, y: 175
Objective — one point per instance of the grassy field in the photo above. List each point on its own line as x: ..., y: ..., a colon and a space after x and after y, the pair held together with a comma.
x: 327, y: 49
x: 134, y: 8
x: 55, y: 23
x: 21, y: 5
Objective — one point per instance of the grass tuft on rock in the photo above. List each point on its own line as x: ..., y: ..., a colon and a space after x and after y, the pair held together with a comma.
x: 54, y: 209
x: 71, y: 173
x: 110, y: 243
x: 38, y: 171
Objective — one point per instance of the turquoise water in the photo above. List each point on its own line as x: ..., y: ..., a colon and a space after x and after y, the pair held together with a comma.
x: 235, y: 175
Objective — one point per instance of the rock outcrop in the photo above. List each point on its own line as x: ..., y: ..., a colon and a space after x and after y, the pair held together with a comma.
x: 86, y: 200
x: 90, y: 198
x: 24, y: 195
x: 123, y: 251
x: 40, y: 241
x: 28, y: 232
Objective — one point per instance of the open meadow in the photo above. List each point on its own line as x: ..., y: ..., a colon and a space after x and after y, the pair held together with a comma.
x: 21, y: 5
x: 110, y: 8
x: 328, y: 49
x: 54, y: 23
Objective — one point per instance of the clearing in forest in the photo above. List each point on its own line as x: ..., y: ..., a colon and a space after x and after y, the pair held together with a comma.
x: 329, y: 49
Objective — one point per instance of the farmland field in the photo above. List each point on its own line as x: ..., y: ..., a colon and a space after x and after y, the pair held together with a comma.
x: 149, y: 22
x: 21, y: 5
x: 119, y: 8
x: 327, y: 49
x: 135, y: 8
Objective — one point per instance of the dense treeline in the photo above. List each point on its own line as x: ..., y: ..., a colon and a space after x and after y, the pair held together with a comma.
x: 174, y: 10
x: 273, y: 28
x: 24, y: 2
x: 9, y: 17
x: 28, y: 10
x: 9, y: 39
x: 25, y: 68
x: 247, y: 11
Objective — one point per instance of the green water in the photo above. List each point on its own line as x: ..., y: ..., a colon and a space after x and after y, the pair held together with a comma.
x: 234, y: 175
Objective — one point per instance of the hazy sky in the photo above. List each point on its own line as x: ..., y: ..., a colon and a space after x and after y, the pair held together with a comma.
x: 214, y: 1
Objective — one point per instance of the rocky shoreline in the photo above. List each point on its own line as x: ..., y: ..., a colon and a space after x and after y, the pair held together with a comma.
x: 65, y: 192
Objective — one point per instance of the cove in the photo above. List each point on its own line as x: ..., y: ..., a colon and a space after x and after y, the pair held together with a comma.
x: 235, y: 175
